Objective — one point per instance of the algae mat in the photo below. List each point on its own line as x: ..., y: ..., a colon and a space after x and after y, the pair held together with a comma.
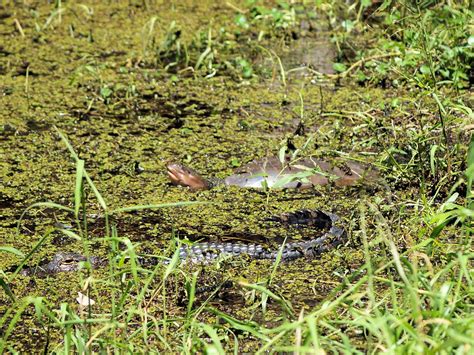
x: 135, y: 84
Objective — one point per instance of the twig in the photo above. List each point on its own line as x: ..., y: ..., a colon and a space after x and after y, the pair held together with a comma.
x: 232, y: 6
x: 18, y: 27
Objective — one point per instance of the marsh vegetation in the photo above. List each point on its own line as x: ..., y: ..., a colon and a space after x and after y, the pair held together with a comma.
x: 97, y: 97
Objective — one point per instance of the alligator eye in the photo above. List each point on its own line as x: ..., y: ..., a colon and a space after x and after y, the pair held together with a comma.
x: 68, y: 261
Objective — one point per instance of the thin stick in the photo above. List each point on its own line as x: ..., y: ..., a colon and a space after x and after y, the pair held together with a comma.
x: 18, y: 27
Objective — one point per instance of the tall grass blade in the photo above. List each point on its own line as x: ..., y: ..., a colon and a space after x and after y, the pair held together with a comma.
x: 41, y: 204
x: 14, y: 320
x: 160, y: 205
x: 13, y: 251
x: 32, y: 251
x: 96, y: 192
x: 470, y: 167
x: 78, y: 188
x: 191, y: 288
x: 67, y: 144
x: 217, y: 346
x: 7, y: 289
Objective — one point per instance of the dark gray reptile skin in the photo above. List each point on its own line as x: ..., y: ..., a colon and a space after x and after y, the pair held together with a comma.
x: 62, y: 262
x: 204, y: 252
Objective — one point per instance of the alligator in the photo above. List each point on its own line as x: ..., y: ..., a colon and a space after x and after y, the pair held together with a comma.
x: 62, y: 262
x: 271, y: 172
x: 205, y: 252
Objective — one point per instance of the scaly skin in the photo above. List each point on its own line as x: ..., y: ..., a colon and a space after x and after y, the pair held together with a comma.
x: 62, y: 262
x: 204, y: 252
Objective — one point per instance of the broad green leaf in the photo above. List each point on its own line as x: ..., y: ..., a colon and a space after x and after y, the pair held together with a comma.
x: 282, y: 153
x: 339, y: 67
x: 425, y: 69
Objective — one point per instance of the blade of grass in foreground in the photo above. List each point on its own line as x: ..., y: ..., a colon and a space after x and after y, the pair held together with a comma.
x: 78, y: 188
x: 470, y: 171
x: 3, y: 284
x: 216, y: 343
x: 3, y: 277
x: 160, y: 205
x: 12, y: 250
x: 7, y: 289
x: 97, y: 194
x: 42, y: 204
x: 286, y: 306
x: 28, y: 256
x: 247, y: 326
x: 41, y: 309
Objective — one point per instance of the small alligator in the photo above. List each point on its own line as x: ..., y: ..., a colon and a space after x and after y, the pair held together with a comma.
x: 62, y: 262
x: 204, y: 252
x: 303, y: 173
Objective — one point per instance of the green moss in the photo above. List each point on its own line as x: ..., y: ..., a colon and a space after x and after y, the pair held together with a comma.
x: 146, y: 115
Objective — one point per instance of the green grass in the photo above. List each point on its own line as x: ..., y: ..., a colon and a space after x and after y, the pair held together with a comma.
x: 413, y: 292
x: 405, y: 304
